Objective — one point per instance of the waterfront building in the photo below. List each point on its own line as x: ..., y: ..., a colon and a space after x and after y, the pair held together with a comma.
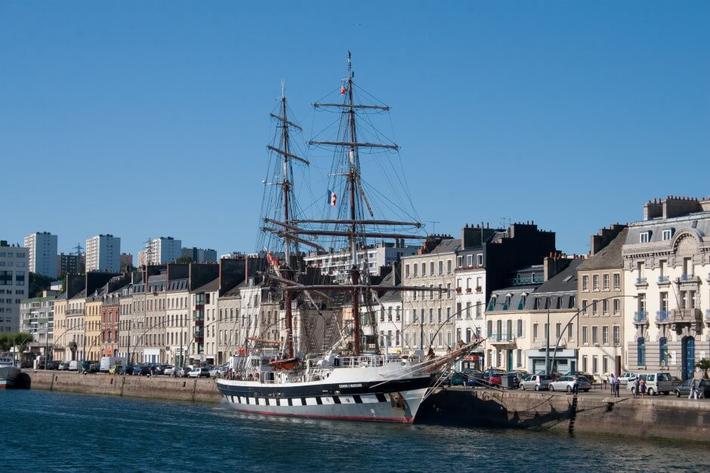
x: 14, y: 284
x: 667, y: 272
x: 229, y: 324
x: 337, y: 264
x: 42, y: 253
x: 92, y: 324
x: 161, y: 250
x: 427, y: 314
x: 70, y: 264
x: 200, y: 255
x: 60, y: 347
x: 37, y: 318
x: 103, y: 254
x: 179, y: 324
x: 205, y: 299
x: 125, y: 317
x: 390, y: 319
x: 600, y: 294
x: 75, y: 318
x: 517, y: 318
x: 115, y: 290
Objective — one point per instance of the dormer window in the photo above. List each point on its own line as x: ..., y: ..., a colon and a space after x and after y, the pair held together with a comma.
x: 645, y: 237
x: 667, y: 234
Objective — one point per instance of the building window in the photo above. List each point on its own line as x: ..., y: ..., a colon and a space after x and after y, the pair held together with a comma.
x: 406, y: 270
x: 479, y: 261
x: 585, y: 283
x: 616, y: 335
x: 441, y: 268
x: 448, y: 266
x: 617, y: 306
x: 423, y: 269
x: 535, y: 328
x: 617, y: 281
x: 605, y: 335
x: 469, y: 260
x: 667, y: 234
x: 645, y: 237
x: 520, y: 328
x: 595, y: 282
x: 459, y: 261
x: 585, y: 338
x: 605, y: 282
x: 640, y: 352
x: 605, y: 306
x: 584, y: 364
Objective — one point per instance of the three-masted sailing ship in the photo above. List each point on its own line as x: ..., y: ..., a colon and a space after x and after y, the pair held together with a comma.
x: 345, y: 381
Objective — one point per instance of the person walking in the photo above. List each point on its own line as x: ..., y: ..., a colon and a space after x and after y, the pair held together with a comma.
x: 613, y: 380
x: 637, y: 386
x: 695, y: 385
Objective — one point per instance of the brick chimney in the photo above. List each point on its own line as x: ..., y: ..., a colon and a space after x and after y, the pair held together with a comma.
x: 604, y: 237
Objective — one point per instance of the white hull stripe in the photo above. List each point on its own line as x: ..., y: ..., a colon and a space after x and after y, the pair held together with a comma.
x: 310, y: 401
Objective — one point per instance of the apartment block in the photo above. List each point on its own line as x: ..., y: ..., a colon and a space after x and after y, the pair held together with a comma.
x: 42, y: 253
x: 103, y: 254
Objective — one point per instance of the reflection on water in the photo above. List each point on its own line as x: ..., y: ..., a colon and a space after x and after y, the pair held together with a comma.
x: 46, y: 431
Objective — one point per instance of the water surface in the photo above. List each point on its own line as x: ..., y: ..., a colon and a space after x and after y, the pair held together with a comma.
x: 48, y: 431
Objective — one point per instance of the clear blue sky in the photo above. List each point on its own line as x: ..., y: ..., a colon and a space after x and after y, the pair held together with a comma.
x: 151, y: 118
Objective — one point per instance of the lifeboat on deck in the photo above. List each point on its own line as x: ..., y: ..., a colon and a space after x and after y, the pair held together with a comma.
x: 285, y: 364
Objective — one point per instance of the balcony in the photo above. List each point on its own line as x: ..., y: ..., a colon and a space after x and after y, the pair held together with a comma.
x: 688, y: 279
x: 641, y: 317
x: 501, y: 338
x: 686, y: 316
x: 662, y: 317
x: 641, y: 282
x: 663, y: 280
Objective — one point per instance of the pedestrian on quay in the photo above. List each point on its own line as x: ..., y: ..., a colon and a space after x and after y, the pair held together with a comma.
x: 643, y: 387
x: 637, y: 386
x: 612, y: 384
x: 695, y: 385
x: 617, y: 386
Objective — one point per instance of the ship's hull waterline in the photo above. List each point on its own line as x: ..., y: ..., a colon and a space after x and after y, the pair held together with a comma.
x: 351, y: 402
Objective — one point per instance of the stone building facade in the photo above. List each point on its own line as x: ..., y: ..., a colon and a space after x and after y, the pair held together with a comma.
x: 667, y: 273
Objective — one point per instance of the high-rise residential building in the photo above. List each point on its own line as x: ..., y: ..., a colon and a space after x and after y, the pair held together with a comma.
x: 42, y: 253
x: 70, y: 264
x: 14, y: 284
x: 161, y: 250
x: 103, y: 253
x: 200, y: 255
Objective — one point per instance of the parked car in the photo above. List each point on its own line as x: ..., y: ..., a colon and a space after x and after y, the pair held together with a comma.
x: 139, y: 370
x: 626, y: 377
x: 473, y: 377
x: 536, y: 382
x: 199, y: 372
x: 64, y: 366
x: 566, y: 383
x: 456, y: 378
x: 683, y: 389
x: 168, y: 370
x: 183, y: 372
x: 656, y: 383
x: 219, y: 371
x: 492, y: 376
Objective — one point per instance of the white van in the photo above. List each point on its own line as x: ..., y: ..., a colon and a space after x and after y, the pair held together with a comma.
x: 74, y: 365
x: 656, y: 383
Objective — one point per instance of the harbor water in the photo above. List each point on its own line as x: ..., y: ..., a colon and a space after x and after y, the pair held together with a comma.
x: 49, y: 431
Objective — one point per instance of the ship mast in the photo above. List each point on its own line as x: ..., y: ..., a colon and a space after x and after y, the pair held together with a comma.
x: 286, y: 185
x: 355, y: 226
x: 354, y: 188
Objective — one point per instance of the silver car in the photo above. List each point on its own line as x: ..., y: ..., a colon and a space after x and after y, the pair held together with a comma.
x: 535, y: 382
x: 566, y: 383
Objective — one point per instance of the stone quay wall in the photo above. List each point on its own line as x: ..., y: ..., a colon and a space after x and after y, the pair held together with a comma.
x: 154, y: 387
x: 660, y: 417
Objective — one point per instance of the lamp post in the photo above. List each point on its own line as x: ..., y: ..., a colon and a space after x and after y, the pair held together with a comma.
x: 574, y: 316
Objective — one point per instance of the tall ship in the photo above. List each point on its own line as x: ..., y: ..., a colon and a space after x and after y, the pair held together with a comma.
x: 329, y: 365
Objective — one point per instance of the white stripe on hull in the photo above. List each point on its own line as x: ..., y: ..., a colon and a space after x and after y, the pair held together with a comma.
x: 325, y: 407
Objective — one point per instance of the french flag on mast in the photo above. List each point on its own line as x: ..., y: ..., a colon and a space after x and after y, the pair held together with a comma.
x: 332, y: 198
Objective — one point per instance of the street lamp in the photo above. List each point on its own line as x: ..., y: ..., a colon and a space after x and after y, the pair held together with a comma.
x: 574, y: 316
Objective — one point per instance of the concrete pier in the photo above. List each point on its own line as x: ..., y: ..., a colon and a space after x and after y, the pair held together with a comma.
x: 662, y: 417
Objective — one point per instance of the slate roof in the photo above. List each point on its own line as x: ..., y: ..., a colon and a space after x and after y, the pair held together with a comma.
x: 609, y: 257
x: 209, y: 287
x: 448, y: 245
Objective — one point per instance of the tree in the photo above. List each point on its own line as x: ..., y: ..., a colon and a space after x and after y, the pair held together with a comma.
x: 21, y: 340
x: 7, y: 340
x: 704, y: 365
